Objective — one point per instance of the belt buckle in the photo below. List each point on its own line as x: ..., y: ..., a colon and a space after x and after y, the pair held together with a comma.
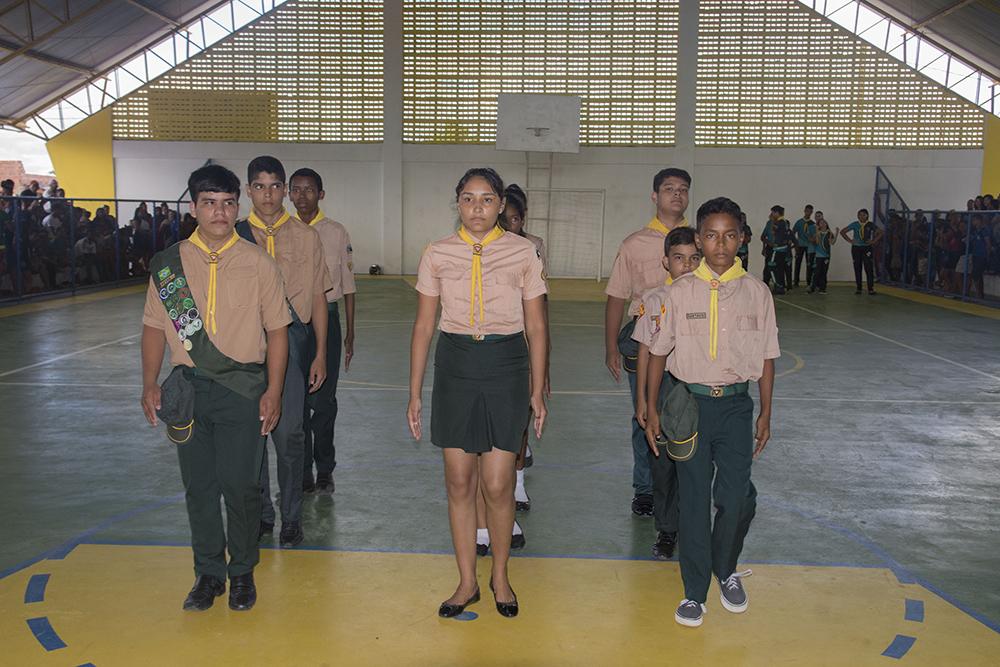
x: 716, y: 392
x: 478, y: 337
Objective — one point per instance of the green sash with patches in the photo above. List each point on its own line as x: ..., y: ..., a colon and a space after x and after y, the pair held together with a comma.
x: 167, y: 271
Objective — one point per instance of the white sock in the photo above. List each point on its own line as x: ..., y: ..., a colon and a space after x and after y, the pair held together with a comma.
x: 520, y: 495
x: 482, y: 536
x: 517, y: 529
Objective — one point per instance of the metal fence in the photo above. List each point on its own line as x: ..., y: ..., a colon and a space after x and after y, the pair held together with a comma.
x: 950, y: 253
x: 62, y: 245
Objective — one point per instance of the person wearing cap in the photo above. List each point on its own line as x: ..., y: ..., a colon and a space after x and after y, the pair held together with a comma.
x: 306, y: 191
x: 489, y: 373
x: 298, y: 251
x: 720, y: 333
x: 218, y: 304
x: 681, y: 256
x: 638, y: 267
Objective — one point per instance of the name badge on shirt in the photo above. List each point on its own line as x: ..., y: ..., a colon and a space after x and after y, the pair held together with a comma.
x: 697, y: 316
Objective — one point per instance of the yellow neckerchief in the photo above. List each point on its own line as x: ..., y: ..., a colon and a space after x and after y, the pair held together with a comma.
x: 213, y: 265
x: 477, y: 268
x: 319, y: 216
x: 270, y: 230
x: 861, y: 230
x: 669, y: 280
x: 705, y: 273
x: 658, y: 226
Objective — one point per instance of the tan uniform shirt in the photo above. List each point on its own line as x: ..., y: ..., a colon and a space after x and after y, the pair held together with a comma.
x: 652, y: 315
x: 748, y: 333
x: 512, y: 273
x: 539, y: 247
x: 338, y: 253
x: 250, y: 300
x: 638, y: 267
x: 299, y: 253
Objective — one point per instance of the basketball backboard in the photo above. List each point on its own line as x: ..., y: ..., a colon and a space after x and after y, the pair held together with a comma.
x: 538, y: 122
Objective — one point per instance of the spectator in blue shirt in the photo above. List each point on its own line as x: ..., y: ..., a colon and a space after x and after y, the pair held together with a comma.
x: 822, y: 241
x: 865, y: 236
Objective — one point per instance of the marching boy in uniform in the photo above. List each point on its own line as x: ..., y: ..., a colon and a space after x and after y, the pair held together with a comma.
x: 218, y: 303
x: 720, y: 332
x: 681, y: 256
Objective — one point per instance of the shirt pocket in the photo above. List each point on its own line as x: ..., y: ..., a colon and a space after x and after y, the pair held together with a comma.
x: 506, y: 288
x: 453, y: 284
x: 241, y: 287
x: 747, y: 323
x: 651, y: 274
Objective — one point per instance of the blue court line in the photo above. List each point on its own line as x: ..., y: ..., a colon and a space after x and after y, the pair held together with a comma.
x: 899, y: 646
x: 914, y: 611
x: 35, y: 590
x: 45, y: 634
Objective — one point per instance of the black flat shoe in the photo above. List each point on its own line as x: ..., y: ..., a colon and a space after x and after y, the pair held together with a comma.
x: 266, y: 528
x: 447, y: 610
x: 291, y: 535
x: 202, y: 596
x: 242, y: 592
x: 507, y: 609
x: 517, y: 541
x: 482, y: 549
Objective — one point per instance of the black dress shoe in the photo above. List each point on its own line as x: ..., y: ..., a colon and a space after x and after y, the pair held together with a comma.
x: 508, y: 609
x: 665, y: 545
x: 447, y: 610
x: 517, y: 541
x: 202, y: 596
x: 324, y: 483
x: 266, y: 528
x: 482, y: 549
x: 291, y: 535
x: 642, y: 504
x: 242, y: 592
x: 308, y: 485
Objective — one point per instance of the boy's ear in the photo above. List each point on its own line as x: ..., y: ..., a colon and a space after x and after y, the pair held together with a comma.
x: 697, y: 241
x: 666, y: 263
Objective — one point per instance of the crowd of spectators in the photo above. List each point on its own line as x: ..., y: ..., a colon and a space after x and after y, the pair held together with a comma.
x: 55, y: 244
x: 949, y: 251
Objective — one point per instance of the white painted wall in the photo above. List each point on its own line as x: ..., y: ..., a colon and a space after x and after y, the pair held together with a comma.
x: 838, y: 182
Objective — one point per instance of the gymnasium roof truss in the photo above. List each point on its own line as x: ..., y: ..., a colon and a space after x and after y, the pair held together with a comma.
x: 182, y: 41
x: 904, y: 41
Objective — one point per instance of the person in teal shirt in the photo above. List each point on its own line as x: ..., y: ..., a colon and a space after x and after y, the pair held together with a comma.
x: 802, y: 234
x: 821, y: 240
x: 777, y: 237
x: 865, y: 236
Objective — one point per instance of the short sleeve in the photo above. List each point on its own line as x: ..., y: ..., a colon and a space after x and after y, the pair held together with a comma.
x: 619, y: 284
x: 770, y: 327
x: 273, y: 305
x: 534, y: 277
x: 427, y: 281
x: 643, y: 332
x: 663, y: 341
x: 153, y: 314
x: 347, y: 266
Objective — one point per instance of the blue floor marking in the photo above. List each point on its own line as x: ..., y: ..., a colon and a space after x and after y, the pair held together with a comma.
x: 45, y: 634
x: 899, y: 646
x: 914, y: 611
x: 35, y: 590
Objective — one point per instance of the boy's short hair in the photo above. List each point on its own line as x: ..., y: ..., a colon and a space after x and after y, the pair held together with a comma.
x: 213, y: 178
x: 780, y: 210
x: 670, y: 172
x: 678, y: 236
x: 819, y: 212
x: 722, y: 205
x: 862, y: 210
x: 306, y: 172
x: 810, y: 206
x: 267, y: 164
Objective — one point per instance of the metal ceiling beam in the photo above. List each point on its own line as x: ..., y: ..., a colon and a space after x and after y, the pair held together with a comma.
x: 149, y: 10
x: 45, y: 58
x: 941, y: 13
x: 38, y: 39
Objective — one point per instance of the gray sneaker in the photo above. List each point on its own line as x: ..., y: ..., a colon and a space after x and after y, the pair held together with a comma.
x: 689, y: 613
x: 734, y: 596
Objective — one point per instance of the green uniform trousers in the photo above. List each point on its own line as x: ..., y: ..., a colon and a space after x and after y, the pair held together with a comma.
x: 725, y: 450
x: 222, y: 458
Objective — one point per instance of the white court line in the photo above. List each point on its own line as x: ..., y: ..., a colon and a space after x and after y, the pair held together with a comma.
x: 891, y: 340
x: 68, y: 355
